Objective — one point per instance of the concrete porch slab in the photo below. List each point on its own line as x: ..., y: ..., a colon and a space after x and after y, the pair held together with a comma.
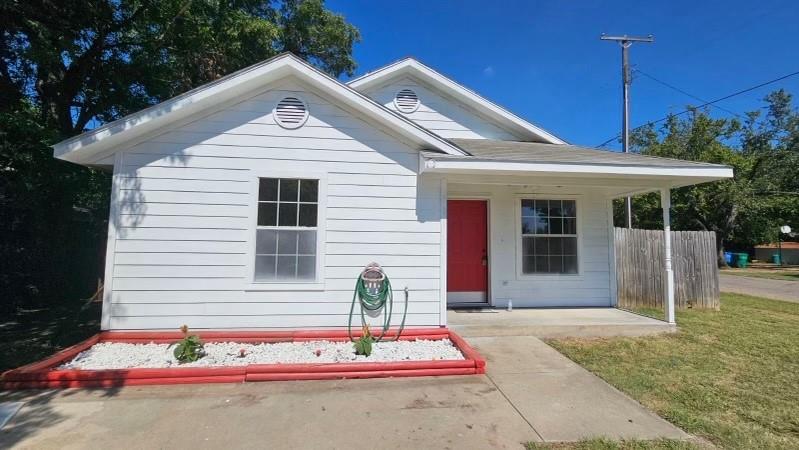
x: 554, y: 323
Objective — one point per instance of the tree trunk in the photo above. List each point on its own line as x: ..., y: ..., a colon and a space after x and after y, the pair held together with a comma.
x: 722, y: 262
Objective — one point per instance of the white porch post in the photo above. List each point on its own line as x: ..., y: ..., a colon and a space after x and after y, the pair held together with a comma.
x: 665, y: 203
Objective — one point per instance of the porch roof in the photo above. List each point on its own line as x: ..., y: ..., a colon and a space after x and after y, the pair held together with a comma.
x: 510, y: 157
x: 562, y: 153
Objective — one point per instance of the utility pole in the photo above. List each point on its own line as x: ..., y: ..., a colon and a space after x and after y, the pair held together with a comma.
x: 626, y: 79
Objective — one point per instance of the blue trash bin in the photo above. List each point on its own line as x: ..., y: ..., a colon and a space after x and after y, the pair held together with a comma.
x: 728, y: 258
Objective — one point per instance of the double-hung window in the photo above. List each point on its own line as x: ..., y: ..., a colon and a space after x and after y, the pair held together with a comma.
x: 286, y: 235
x: 548, y: 236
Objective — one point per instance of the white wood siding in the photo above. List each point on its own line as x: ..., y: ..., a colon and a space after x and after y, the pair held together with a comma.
x: 441, y: 115
x: 591, y: 287
x: 183, y: 215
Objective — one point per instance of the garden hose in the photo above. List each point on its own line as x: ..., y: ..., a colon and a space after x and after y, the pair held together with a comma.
x: 374, y: 300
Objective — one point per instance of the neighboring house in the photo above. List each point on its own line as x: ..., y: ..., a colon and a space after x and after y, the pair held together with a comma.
x: 766, y: 252
x: 255, y: 200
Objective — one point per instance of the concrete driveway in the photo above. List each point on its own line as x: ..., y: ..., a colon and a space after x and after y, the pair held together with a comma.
x: 785, y: 290
x: 531, y: 393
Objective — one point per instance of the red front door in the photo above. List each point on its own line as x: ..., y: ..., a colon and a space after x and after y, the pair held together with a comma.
x: 467, y: 251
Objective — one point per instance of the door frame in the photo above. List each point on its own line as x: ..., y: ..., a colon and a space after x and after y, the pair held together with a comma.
x: 487, y: 200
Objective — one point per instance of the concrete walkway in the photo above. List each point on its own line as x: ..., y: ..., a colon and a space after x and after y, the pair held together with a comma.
x: 761, y: 287
x: 531, y: 393
x: 554, y: 322
x: 559, y: 399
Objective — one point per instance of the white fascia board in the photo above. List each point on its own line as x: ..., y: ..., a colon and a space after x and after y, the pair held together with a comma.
x: 694, y: 174
x: 467, y: 96
x: 81, y: 149
x: 149, y: 119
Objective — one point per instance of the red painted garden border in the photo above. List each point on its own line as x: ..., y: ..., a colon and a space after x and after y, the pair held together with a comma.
x: 42, y: 374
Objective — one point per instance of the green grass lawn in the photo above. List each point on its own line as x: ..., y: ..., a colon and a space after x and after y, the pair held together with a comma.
x: 789, y: 274
x: 608, y: 444
x: 729, y: 376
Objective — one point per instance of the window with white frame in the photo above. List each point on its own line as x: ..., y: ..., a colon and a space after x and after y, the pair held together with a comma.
x: 285, y: 243
x: 548, y: 236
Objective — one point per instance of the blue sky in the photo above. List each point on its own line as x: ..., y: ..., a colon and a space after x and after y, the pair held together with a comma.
x: 544, y: 61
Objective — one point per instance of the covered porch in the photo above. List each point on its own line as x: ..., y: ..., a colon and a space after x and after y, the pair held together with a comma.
x: 554, y: 322
x: 530, y: 225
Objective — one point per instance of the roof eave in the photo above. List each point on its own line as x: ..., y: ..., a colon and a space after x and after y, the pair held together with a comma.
x: 676, y: 175
x: 82, y: 148
x: 186, y: 104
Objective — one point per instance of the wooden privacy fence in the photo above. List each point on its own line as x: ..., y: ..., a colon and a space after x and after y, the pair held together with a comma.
x: 641, y: 269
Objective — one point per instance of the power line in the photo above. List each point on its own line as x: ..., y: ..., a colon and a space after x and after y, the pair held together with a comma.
x: 734, y: 94
x: 681, y: 91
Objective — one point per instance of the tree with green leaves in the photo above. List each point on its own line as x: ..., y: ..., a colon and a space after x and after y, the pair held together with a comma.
x: 96, y: 60
x: 68, y: 65
x: 746, y: 210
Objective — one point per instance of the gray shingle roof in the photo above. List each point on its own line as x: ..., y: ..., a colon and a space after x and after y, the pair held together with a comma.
x: 536, y: 152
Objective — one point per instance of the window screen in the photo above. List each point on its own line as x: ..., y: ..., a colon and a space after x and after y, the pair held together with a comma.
x: 549, y: 236
x: 285, y: 243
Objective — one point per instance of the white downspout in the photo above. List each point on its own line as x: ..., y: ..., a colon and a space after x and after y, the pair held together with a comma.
x: 665, y: 203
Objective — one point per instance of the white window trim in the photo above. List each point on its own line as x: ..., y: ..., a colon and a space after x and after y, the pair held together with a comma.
x: 319, y: 283
x: 520, y: 275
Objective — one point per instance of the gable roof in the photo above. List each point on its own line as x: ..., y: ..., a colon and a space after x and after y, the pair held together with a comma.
x: 88, y: 147
x: 410, y: 66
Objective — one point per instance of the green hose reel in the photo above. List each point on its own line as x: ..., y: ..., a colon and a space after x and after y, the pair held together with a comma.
x: 374, y: 293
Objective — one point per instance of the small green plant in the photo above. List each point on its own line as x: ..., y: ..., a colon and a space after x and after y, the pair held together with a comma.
x: 190, y: 348
x: 363, y: 345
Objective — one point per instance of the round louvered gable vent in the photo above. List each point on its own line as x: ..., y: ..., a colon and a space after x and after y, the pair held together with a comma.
x: 406, y: 101
x: 291, y: 113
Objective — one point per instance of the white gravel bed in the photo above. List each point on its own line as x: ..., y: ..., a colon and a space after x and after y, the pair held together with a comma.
x: 115, y: 355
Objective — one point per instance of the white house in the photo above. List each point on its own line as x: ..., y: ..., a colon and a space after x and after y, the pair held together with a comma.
x: 255, y: 200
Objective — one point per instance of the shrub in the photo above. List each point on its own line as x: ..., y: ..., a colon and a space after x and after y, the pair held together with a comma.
x: 188, y: 349
x: 363, y: 345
